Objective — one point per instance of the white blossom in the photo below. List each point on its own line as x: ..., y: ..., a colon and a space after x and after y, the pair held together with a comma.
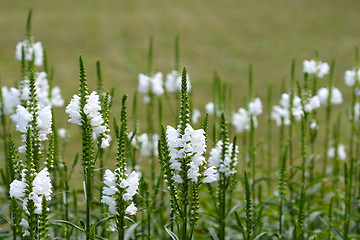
x: 210, y: 108
x: 110, y: 190
x: 30, y: 50
x: 336, y: 96
x: 11, y: 98
x: 341, y: 154
x: 226, y: 165
x: 153, y: 84
x: 173, y: 82
x: 190, y: 144
x: 148, y: 145
x: 211, y: 175
x: 131, y: 209
x: 316, y: 67
x: 255, y: 107
x: 17, y: 189
x: 195, y: 116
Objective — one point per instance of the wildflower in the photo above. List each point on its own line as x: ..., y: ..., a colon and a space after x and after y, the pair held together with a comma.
x: 312, y: 104
x: 336, y: 96
x: 62, y: 132
x: 255, y: 107
x: 226, y: 165
x: 11, y: 98
x: 41, y: 187
x: 17, y: 189
x: 32, y: 51
x: 210, y: 108
x: 351, y: 77
x: 114, y: 184
x: 191, y: 145
x: 241, y: 121
x: 316, y: 67
x: 148, y: 145
x: 341, y: 154
x: 195, y: 116
x: 313, y: 125
x: 211, y: 175
x: 92, y: 110
x: 281, y: 112
x: 151, y: 84
x: 173, y: 82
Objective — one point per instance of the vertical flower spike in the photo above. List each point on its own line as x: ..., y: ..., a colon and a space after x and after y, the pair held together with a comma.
x: 119, y: 187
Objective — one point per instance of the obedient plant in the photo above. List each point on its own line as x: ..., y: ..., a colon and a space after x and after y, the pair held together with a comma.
x: 183, y: 163
x: 282, y: 195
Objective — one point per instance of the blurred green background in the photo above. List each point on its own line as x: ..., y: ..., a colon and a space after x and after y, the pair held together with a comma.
x: 214, y: 35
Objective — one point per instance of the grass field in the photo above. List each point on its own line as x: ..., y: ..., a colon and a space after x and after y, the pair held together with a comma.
x: 214, y: 35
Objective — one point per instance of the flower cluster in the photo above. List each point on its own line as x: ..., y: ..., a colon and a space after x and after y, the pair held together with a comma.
x: 351, y: 77
x: 32, y: 52
x: 339, y: 152
x: 148, y: 145
x: 41, y: 186
x: 281, y: 113
x: 190, y: 145
x: 336, y: 96
x: 152, y: 84
x: 242, y: 118
x: 316, y: 67
x: 114, y: 186
x: 229, y: 163
x: 23, y: 117
x: 42, y: 91
x: 173, y: 82
x: 92, y: 110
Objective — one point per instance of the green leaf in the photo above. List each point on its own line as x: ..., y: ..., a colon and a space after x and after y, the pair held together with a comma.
x: 67, y: 223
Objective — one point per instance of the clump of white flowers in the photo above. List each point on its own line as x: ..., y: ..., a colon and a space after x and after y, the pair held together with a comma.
x: 92, y: 110
x: 41, y: 187
x: 126, y: 187
x: 152, y: 84
x: 148, y: 145
x: 11, y: 98
x: 339, y: 152
x: 281, y: 113
x: 23, y: 117
x: 173, y: 82
x: 351, y: 77
x: 229, y: 163
x: 190, y: 144
x: 336, y: 96
x: 316, y: 67
x: 32, y: 52
x: 242, y: 118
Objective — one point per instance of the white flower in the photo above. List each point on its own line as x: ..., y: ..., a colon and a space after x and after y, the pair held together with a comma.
x: 24, y: 223
x: 11, y: 98
x: 255, y: 107
x: 41, y: 187
x: 195, y: 116
x: 210, y: 108
x: 336, y: 96
x: 229, y: 163
x: 30, y: 50
x: 341, y: 154
x: 62, y: 132
x: 92, y: 110
x: 211, y: 175
x: 190, y: 144
x: 173, y: 82
x: 73, y: 109
x: 313, y: 103
x: 110, y: 190
x: 44, y: 122
x: 17, y: 189
x: 147, y: 145
x: 319, y: 68
x: 131, y: 209
x: 241, y: 120
x: 350, y: 77
x: 56, y: 98
x: 153, y: 84
x: 313, y: 125
x: 21, y: 119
